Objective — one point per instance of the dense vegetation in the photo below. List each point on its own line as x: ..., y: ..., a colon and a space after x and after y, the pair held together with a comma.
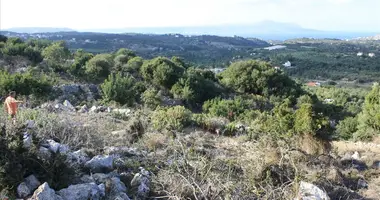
x: 251, y: 98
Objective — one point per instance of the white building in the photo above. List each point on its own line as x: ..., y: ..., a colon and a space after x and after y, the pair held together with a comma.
x: 360, y: 54
x: 371, y: 55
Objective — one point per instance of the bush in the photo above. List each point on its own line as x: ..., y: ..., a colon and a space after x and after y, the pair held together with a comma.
x: 24, y: 84
x: 194, y: 88
x: 99, y: 67
x: 17, y: 162
x: 151, y: 98
x: 233, y: 109
x: 259, y: 78
x: 173, y: 118
x: 120, y: 89
x: 347, y: 127
x: 161, y: 71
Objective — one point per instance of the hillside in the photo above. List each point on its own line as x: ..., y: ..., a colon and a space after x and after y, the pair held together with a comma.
x: 118, y: 126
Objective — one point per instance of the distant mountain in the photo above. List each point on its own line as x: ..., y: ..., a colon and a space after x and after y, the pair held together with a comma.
x: 38, y: 30
x: 267, y: 30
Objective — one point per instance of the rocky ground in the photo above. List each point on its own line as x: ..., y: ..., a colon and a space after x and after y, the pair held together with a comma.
x: 117, y: 155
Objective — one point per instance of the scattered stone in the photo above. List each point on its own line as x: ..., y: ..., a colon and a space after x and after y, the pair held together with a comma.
x: 93, y: 109
x: 30, y: 124
x: 63, y: 149
x: 121, y: 196
x: 142, y: 182
x: 78, y: 157
x: 27, y: 187
x: 44, y: 153
x: 100, y: 163
x: 44, y: 192
x: 68, y: 105
x: 102, y: 189
x: 101, y: 178
x: 362, y: 184
x: 123, y: 151
x: 83, y: 109
x: 309, y: 191
x: 81, y: 192
x: 23, y: 190
x: 126, y: 111
x: 356, y: 156
x: 27, y: 140
x: 53, y: 145
x: 109, y: 109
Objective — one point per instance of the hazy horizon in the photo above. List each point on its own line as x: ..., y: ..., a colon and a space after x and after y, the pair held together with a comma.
x: 325, y: 15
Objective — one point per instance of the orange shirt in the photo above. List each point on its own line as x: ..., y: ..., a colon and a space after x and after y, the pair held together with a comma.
x: 11, y: 105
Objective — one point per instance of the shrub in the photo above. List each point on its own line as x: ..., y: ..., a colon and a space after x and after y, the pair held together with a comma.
x: 194, y: 88
x: 347, y: 127
x: 259, y: 78
x: 151, y: 98
x: 173, y: 118
x: 119, y: 89
x: 99, y: 67
x: 234, y: 108
x: 161, y: 71
x: 16, y: 162
x: 24, y: 84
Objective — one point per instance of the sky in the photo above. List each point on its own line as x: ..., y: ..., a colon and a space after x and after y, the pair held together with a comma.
x: 332, y: 15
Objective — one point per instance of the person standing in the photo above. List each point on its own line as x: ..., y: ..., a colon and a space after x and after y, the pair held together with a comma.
x: 11, y: 105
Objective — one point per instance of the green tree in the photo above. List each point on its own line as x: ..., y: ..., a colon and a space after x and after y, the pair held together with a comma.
x: 259, y: 78
x: 119, y: 89
x: 133, y: 66
x: 194, y: 88
x: 369, y: 118
x: 161, y: 71
x: 99, y: 67
x: 56, y: 53
x: 151, y: 98
x: 304, y: 123
x: 347, y: 127
x: 80, y: 59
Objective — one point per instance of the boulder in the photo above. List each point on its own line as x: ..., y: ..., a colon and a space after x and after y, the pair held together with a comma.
x: 30, y: 124
x: 308, y: 191
x: 23, y: 190
x: 100, y: 163
x: 120, y: 196
x: 44, y: 192
x: 53, y: 146
x: 63, y: 149
x: 102, y: 189
x: 77, y: 158
x: 115, y: 189
x: 81, y: 192
x: 141, y: 184
x: 44, y: 153
x: 27, y: 187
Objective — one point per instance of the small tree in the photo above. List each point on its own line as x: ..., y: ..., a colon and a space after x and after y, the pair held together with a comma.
x: 162, y: 72
x: 99, y: 67
x: 119, y: 89
x: 369, y: 118
x: 151, y: 98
